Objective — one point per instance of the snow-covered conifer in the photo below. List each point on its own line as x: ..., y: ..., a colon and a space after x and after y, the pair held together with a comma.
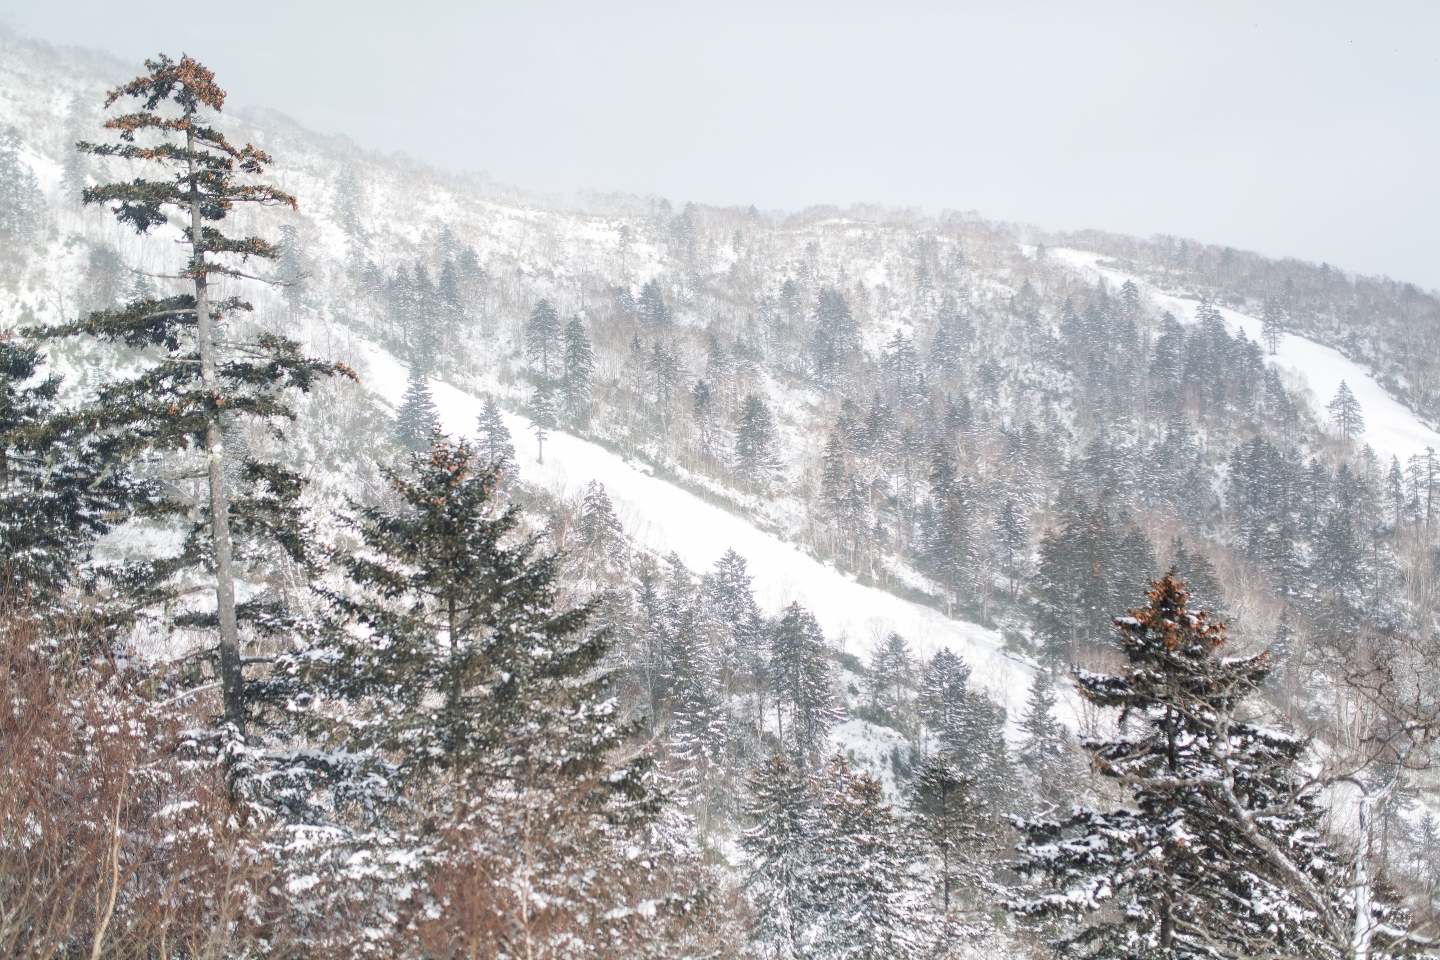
x: 417, y: 418
x: 1223, y: 853
x: 802, y: 681
x: 492, y: 437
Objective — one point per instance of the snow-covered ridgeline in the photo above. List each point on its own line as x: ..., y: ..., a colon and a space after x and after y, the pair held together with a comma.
x: 1391, y: 428
x: 666, y: 518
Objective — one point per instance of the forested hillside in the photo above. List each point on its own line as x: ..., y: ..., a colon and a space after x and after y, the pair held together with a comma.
x: 299, y: 662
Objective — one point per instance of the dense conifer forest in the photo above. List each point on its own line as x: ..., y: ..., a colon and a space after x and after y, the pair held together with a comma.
x: 296, y: 661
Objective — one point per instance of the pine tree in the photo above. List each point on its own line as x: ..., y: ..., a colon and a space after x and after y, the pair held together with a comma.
x: 1012, y: 529
x: 1272, y: 325
x: 861, y: 874
x: 579, y: 369
x: 288, y: 269
x: 1130, y: 296
x: 542, y: 417
x: 754, y: 440
x: 543, y: 337
x: 602, y: 537
x: 469, y: 700
x: 837, y: 334
x: 19, y: 192
x: 492, y: 438
x: 946, y: 810
x: 1345, y: 412
x: 417, y: 418
x: 61, y: 487
x: 651, y: 306
x: 780, y: 848
x: 199, y: 385
x: 890, y: 682
x: 968, y: 728
x: 1200, y: 579
x: 733, y: 619
x: 1045, y: 743
x: 801, y: 681
x: 1222, y: 854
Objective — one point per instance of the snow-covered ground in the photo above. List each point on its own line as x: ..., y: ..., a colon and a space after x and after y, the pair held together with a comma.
x: 1391, y: 428
x: 665, y: 518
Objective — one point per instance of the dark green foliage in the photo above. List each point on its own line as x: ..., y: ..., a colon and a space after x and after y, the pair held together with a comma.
x: 542, y: 416
x: 19, y: 193
x: 802, y: 682
x: 579, y: 369
x: 779, y: 847
x: 947, y: 811
x: 830, y: 875
x: 1221, y: 854
x: 837, y: 334
x: 492, y: 438
x: 417, y: 418
x: 61, y: 487
x: 968, y: 729
x: 451, y: 645
x: 1088, y: 567
x: 1345, y: 412
x: 1046, y: 745
x: 754, y: 440
x: 543, y: 340
x: 890, y: 684
x: 192, y: 391
x: 651, y: 306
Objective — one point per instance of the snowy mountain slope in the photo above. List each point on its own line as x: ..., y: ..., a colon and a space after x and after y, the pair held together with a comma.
x: 665, y: 518
x: 1391, y: 428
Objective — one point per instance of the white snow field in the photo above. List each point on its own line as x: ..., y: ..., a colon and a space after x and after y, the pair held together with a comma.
x: 665, y: 518
x: 1391, y: 428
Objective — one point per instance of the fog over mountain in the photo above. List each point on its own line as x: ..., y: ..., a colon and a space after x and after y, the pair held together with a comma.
x: 1295, y: 130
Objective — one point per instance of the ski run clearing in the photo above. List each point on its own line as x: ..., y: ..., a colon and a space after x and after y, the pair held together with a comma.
x: 1391, y: 428
x: 664, y: 518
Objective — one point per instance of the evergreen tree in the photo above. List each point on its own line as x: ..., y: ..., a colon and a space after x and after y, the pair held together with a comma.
x: 861, y: 873
x: 1045, y: 743
x: 837, y: 334
x: 471, y: 700
x: 579, y: 368
x: 19, y: 192
x: 602, y: 538
x: 543, y: 340
x: 1087, y: 567
x: 198, y: 385
x: 1222, y: 854
x: 1345, y: 412
x: 968, y: 728
x: 1272, y: 325
x: 61, y: 486
x: 492, y: 438
x: 1201, y: 583
x: 890, y: 682
x: 1130, y: 296
x: 288, y: 269
x: 947, y: 813
x: 1012, y: 529
x: 417, y: 418
x: 780, y: 848
x: 542, y: 417
x: 801, y: 681
x: 651, y: 306
x: 754, y: 440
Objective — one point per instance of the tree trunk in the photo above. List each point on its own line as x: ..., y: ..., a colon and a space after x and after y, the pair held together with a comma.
x: 231, y: 682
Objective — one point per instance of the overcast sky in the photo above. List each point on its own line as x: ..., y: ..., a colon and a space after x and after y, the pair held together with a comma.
x: 1309, y: 130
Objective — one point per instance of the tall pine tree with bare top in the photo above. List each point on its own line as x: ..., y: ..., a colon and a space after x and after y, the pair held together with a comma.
x: 199, y: 384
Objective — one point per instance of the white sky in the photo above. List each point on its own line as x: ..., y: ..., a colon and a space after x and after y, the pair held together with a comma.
x: 1307, y: 130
